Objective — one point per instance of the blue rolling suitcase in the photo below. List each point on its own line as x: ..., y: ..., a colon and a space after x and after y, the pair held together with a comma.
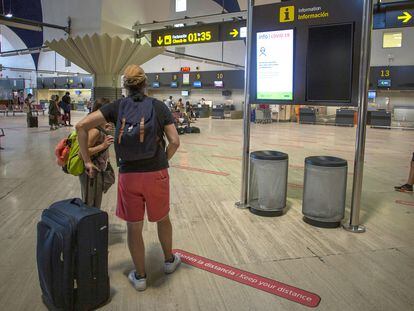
x: 72, y: 256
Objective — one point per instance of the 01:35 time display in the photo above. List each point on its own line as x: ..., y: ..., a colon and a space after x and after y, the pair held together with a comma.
x: 203, y: 36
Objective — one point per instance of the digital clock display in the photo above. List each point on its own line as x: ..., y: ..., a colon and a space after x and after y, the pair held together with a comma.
x: 185, y: 35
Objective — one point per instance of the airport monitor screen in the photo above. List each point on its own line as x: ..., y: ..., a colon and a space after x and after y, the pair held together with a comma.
x: 372, y: 94
x: 174, y: 84
x: 218, y: 84
x: 185, y: 93
x: 197, y: 84
x: 384, y: 83
x: 275, y: 55
x: 186, y: 78
x: 329, y: 63
x: 155, y: 85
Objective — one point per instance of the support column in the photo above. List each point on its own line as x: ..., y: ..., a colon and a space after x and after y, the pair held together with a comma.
x: 244, y: 196
x: 354, y: 222
x: 108, y: 86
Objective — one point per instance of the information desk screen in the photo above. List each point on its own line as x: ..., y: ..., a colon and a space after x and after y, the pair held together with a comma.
x: 329, y: 63
x: 185, y: 93
x: 275, y: 65
x: 174, y: 85
x: 155, y: 85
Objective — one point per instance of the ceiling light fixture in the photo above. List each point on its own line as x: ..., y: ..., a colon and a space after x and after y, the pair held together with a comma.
x: 10, y: 14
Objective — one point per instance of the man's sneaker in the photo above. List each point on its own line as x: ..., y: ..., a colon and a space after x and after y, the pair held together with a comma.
x: 140, y: 284
x: 404, y: 188
x: 170, y: 267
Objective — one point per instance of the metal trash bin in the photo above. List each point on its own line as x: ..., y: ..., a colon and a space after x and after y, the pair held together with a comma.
x: 324, y: 192
x: 268, y: 182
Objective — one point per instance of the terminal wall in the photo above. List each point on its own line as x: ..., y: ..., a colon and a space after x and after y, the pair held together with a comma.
x: 85, y: 15
x: 55, y: 62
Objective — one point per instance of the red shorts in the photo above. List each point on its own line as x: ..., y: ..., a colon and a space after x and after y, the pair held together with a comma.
x: 137, y: 191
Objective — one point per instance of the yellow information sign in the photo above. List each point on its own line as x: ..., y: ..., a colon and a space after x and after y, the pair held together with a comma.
x: 287, y: 14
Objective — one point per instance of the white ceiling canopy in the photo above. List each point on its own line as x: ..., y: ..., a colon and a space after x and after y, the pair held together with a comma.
x: 103, y: 54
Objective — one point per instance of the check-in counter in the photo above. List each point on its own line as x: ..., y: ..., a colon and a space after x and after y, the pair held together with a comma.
x: 404, y: 113
x: 202, y: 111
x: 345, y: 117
x: 218, y: 112
x: 307, y: 116
x: 380, y: 118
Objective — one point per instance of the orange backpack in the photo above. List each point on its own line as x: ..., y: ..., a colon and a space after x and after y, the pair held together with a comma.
x: 62, y: 152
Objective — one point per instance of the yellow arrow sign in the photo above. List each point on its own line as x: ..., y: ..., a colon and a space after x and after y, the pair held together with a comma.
x: 405, y: 18
x: 234, y: 33
x: 160, y: 40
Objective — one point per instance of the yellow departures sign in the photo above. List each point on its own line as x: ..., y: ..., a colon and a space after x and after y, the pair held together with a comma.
x: 184, y: 38
x: 405, y: 18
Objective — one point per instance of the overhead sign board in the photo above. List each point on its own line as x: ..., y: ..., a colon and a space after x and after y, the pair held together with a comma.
x: 217, y: 32
x: 232, y: 31
x: 185, y: 35
x: 399, y: 18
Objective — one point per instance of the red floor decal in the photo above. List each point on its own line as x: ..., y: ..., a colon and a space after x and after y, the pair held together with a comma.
x: 407, y: 203
x: 253, y: 280
x: 200, y: 170
x: 226, y: 158
x: 297, y: 186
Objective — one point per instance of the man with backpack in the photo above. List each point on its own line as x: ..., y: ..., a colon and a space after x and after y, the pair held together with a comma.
x: 143, y: 183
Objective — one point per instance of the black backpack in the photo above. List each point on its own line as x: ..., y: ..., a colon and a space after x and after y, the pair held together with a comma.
x: 136, y: 133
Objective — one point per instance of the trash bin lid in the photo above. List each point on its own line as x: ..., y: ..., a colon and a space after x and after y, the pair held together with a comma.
x: 269, y: 155
x: 326, y: 161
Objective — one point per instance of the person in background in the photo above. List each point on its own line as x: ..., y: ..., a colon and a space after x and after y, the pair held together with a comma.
x: 20, y: 100
x: 143, y: 185
x: 89, y: 105
x: 28, y: 102
x: 202, y: 101
x: 98, y: 144
x: 408, y: 187
x: 180, y: 105
x: 54, y: 113
x: 66, y: 106
x: 169, y: 102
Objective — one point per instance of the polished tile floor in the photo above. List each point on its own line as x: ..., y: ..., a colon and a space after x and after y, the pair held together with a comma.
x: 370, y: 271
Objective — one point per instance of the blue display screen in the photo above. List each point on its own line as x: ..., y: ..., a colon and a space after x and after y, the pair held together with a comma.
x: 384, y: 83
x: 155, y: 84
x: 372, y: 94
x: 197, y: 84
x: 174, y: 84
